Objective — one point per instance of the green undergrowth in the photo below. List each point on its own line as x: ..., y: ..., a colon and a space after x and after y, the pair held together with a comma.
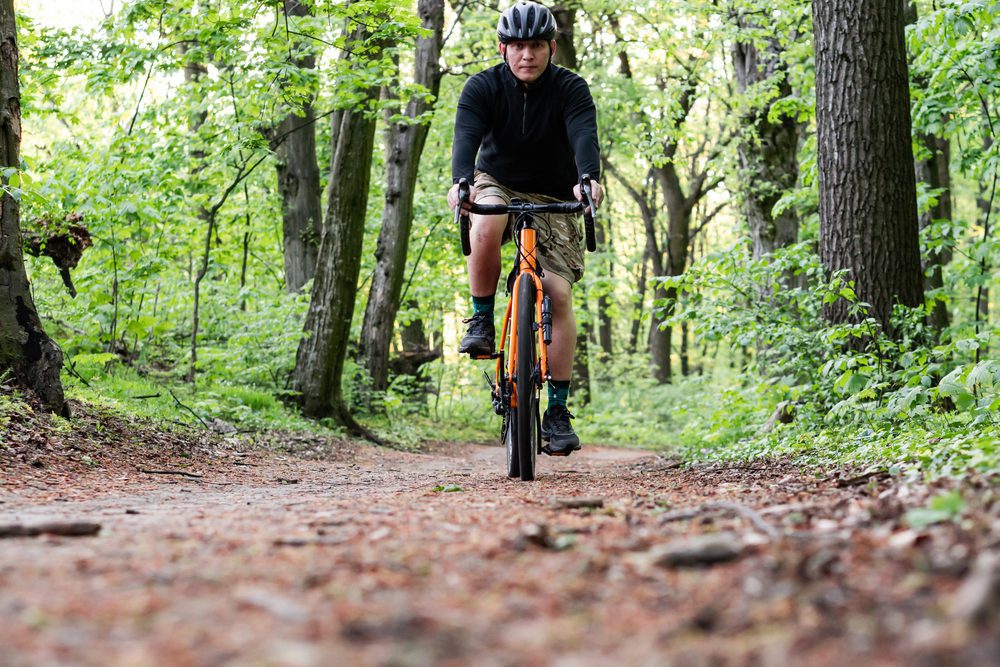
x: 697, y: 418
x: 222, y: 407
x: 731, y: 424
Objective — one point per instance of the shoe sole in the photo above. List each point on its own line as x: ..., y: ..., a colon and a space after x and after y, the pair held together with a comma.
x: 475, y: 351
x: 560, y: 452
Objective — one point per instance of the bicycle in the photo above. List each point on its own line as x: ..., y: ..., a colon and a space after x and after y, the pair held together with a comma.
x: 527, y: 323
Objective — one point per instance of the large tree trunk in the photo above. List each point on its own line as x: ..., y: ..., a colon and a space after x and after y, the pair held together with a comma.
x: 294, y: 144
x: 867, y: 190
x: 25, y: 350
x: 767, y: 150
x: 404, y: 145
x: 319, y: 363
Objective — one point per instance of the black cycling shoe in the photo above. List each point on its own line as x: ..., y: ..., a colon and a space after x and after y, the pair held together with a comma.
x: 478, y: 341
x: 558, y: 433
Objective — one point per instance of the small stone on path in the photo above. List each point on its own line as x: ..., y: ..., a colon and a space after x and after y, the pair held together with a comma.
x: 577, y: 503
x: 697, y: 550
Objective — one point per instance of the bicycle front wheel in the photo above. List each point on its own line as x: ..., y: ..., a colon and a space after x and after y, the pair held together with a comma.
x: 510, y: 442
x: 527, y: 387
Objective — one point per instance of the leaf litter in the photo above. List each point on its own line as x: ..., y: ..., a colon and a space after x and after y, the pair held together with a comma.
x: 616, y: 557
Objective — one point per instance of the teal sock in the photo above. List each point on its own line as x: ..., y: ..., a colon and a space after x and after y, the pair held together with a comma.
x: 558, y: 393
x: 483, y: 304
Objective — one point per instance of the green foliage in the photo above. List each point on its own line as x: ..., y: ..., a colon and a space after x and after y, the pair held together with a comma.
x: 945, y: 507
x: 170, y: 171
x: 447, y: 488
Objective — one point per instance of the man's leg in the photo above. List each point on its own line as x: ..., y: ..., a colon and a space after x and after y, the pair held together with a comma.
x: 556, y: 427
x: 484, y: 272
x: 563, y: 345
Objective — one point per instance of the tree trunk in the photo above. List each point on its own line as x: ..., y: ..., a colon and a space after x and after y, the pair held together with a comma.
x: 640, y: 304
x: 604, y: 301
x: 565, y: 47
x: 768, y: 149
x: 867, y: 189
x: 194, y: 70
x: 933, y: 170
x: 319, y: 363
x: 25, y: 350
x: 566, y: 57
x: 659, y: 341
x: 984, y: 202
x: 404, y: 145
x: 581, y: 360
x: 678, y: 235
x: 685, y: 362
x: 294, y: 144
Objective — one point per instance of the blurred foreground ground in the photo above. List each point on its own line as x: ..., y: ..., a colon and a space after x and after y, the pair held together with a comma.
x: 345, y: 554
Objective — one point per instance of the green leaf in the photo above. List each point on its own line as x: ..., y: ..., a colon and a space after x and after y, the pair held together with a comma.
x: 447, y: 488
x: 944, y: 507
x: 96, y: 359
x: 922, y: 517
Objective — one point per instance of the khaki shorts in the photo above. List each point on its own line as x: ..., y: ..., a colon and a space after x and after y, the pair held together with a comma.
x: 560, y: 243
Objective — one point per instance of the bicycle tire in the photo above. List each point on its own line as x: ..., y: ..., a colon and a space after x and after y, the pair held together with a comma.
x: 527, y: 389
x: 510, y: 442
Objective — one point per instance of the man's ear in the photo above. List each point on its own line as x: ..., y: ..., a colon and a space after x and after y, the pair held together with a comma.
x: 552, y: 49
x: 503, y: 50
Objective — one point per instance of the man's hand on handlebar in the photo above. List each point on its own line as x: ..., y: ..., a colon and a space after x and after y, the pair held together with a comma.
x: 596, y: 190
x: 453, y: 197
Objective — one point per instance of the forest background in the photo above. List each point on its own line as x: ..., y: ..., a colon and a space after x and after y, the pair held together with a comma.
x: 199, y: 154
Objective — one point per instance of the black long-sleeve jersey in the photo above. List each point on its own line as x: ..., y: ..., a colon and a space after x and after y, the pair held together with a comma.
x: 537, y: 139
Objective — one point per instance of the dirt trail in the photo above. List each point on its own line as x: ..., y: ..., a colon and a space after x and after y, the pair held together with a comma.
x: 390, y: 558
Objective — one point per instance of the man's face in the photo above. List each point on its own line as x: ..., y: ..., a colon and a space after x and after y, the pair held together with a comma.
x: 528, y: 59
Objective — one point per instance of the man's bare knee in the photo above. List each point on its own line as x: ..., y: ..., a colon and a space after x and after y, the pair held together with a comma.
x: 560, y: 291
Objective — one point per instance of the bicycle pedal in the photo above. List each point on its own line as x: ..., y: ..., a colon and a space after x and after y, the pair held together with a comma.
x: 485, y: 357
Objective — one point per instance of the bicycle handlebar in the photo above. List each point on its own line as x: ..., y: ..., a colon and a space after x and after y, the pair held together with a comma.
x: 517, y: 207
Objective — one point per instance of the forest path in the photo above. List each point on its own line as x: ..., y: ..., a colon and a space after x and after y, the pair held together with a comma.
x: 391, y: 558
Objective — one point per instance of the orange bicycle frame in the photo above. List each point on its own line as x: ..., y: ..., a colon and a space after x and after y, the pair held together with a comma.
x: 527, y: 270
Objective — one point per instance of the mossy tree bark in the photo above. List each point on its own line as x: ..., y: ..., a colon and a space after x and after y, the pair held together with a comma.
x: 294, y: 144
x: 319, y: 363
x: 768, y: 147
x: 25, y: 350
x: 404, y: 146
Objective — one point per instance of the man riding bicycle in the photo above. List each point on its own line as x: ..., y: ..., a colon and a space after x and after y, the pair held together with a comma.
x: 534, y: 127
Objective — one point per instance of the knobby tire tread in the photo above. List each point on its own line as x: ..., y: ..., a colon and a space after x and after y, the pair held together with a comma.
x: 510, y: 443
x: 526, y: 394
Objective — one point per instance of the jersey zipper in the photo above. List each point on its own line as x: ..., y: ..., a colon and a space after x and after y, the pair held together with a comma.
x: 524, y: 114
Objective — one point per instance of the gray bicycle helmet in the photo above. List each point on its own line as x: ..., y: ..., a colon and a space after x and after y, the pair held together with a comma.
x: 525, y: 21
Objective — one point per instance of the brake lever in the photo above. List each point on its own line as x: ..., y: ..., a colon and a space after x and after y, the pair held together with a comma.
x: 463, y: 196
x: 588, y: 195
x: 462, y: 217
